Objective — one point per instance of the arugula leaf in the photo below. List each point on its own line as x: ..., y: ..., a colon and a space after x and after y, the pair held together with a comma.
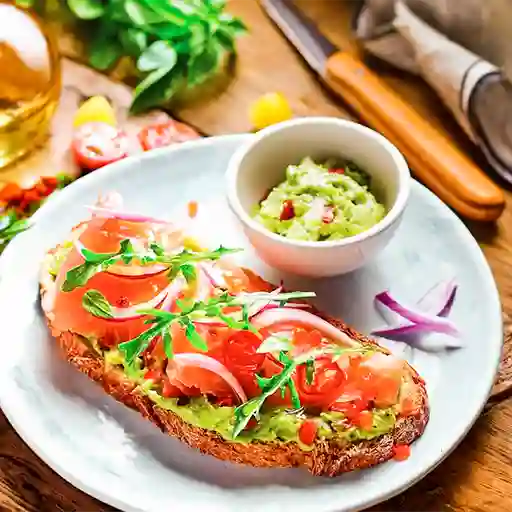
x: 167, y: 340
x: 193, y: 336
x: 251, y: 408
x: 188, y: 271
x: 87, y: 9
x: 95, y: 303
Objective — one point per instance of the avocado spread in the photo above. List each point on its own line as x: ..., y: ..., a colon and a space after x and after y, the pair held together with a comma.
x: 275, y: 424
x: 318, y: 202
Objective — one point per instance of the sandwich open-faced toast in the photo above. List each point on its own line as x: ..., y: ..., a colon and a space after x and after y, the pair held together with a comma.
x: 217, y: 357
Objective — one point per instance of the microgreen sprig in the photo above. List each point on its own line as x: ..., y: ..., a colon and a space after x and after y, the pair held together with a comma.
x: 98, y: 262
x: 190, y: 312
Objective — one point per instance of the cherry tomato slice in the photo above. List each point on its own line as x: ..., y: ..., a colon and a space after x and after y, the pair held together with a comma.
x: 308, y: 431
x: 164, y: 134
x: 326, y: 385
x: 240, y: 352
x: 97, y: 144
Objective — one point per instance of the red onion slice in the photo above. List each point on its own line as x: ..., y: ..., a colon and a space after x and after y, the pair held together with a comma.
x: 214, y: 274
x: 118, y: 214
x: 427, y: 321
x: 274, y: 316
x: 212, y: 365
x: 111, y: 200
x: 439, y: 299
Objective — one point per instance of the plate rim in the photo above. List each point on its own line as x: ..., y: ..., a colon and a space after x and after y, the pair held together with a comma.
x: 496, y: 329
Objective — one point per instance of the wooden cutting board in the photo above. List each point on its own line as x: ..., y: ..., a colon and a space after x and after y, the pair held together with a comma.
x: 81, y: 82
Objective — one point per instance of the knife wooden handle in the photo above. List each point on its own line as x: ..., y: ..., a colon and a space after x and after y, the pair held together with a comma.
x: 433, y: 157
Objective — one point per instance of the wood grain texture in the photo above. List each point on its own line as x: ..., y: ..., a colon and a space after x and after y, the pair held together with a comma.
x: 475, y: 478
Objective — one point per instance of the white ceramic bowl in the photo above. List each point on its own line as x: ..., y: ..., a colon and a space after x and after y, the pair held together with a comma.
x: 260, y: 164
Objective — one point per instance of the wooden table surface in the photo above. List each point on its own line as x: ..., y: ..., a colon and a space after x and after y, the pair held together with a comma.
x: 476, y: 477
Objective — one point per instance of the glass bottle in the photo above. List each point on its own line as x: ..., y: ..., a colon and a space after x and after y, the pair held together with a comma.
x: 29, y: 81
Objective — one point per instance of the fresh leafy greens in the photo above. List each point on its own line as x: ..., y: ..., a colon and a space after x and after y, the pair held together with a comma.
x: 98, y: 262
x: 251, y: 409
x: 175, y: 44
x: 187, y: 315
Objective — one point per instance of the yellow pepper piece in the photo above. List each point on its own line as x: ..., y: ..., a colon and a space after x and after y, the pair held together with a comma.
x: 271, y: 108
x: 95, y: 109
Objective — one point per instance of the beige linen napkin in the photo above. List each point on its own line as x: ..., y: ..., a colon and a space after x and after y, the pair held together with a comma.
x: 463, y: 49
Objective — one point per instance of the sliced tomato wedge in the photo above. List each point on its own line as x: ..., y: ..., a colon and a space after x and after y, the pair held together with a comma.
x: 326, y: 383
x: 95, y: 145
x: 164, y: 134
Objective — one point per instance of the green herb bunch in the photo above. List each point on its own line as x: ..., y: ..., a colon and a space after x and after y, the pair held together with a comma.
x: 174, y: 43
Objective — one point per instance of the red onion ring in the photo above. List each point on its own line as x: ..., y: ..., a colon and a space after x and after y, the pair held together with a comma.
x: 210, y: 364
x: 130, y: 217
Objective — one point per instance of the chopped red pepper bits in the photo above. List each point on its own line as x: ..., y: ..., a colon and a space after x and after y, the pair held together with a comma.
x: 401, y: 452
x: 337, y: 170
x: 26, y: 200
x: 308, y: 431
x: 287, y: 211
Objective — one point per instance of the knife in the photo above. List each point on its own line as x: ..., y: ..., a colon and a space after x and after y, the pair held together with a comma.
x: 433, y: 157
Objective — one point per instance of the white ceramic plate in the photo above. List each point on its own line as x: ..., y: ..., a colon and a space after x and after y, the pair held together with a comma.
x: 112, y: 453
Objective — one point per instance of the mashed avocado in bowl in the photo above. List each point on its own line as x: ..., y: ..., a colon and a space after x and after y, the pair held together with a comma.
x: 320, y: 201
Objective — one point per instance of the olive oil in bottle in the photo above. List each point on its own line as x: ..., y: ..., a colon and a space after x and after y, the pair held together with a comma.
x: 29, y: 82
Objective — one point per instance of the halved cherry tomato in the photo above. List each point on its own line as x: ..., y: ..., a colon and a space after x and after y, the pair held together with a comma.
x: 240, y: 352
x: 164, y: 134
x: 308, y: 431
x: 337, y: 170
x: 97, y: 144
x: 401, y: 452
x: 326, y: 385
x: 287, y: 210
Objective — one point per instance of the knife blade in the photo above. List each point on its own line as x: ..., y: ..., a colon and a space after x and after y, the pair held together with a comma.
x: 433, y: 157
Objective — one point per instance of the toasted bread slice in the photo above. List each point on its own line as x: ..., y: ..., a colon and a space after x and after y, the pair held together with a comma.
x: 327, y: 458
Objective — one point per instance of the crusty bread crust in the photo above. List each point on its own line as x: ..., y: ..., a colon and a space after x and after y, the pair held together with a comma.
x: 328, y: 458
